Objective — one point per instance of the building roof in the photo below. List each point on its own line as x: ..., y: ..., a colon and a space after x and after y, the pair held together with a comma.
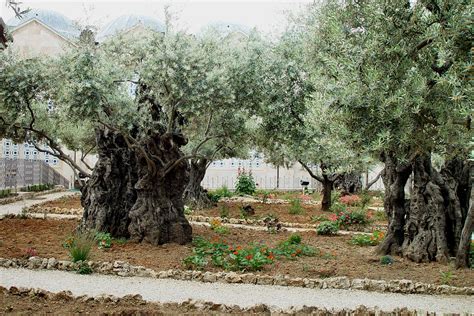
x: 56, y: 21
x: 127, y: 22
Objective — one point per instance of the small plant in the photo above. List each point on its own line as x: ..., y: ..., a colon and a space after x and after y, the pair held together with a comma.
x: 224, y: 192
x: 272, y: 223
x: 318, y: 218
x: 350, y: 200
x: 337, y: 207
x: 79, y: 246
x: 216, y: 226
x: 335, y: 195
x: 30, y: 252
x: 187, y: 210
x: 295, y: 207
x: 120, y: 241
x: 327, y: 228
x: 246, y: 211
x: 84, y: 268
x: 365, y: 199
x: 446, y: 277
x: 292, y: 248
x: 347, y: 218
x: 5, y: 193
x: 367, y: 240
x: 245, y: 183
x: 224, y: 211
x: 386, y: 260
x: 104, y: 240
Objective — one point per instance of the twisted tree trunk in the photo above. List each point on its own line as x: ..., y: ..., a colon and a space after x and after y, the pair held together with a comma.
x: 127, y: 198
x: 109, y: 194
x: 438, y: 210
x: 194, y: 194
x: 349, y: 183
x: 157, y: 216
x: 394, y: 176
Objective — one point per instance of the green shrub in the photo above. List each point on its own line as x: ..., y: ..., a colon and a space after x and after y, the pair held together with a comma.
x: 79, y: 246
x: 245, y: 184
x: 295, y: 207
x: 318, y: 218
x: 294, y: 239
x: 104, y: 240
x: 327, y: 228
x: 293, y: 247
x: 84, y: 268
x: 367, y: 240
x: 365, y: 199
x: 386, y: 260
x: 224, y: 211
x: 347, y: 218
x: 335, y: 195
x: 5, y: 193
x: 217, y: 194
x: 38, y: 187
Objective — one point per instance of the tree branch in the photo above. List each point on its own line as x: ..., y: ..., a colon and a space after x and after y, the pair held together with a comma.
x: 372, y: 182
x: 311, y: 173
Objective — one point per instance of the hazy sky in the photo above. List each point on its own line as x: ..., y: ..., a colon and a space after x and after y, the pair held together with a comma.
x: 268, y: 16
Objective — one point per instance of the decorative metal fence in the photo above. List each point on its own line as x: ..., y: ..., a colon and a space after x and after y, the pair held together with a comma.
x: 17, y: 173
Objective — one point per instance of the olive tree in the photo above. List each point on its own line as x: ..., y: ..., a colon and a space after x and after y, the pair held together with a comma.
x: 399, y: 73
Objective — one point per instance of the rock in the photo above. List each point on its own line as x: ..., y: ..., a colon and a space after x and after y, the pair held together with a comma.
x: 34, y: 262
x: 376, y: 285
x: 281, y: 280
x: 358, y: 284
x: 44, y: 263
x: 249, y: 278
x: 295, y: 282
x: 118, y: 264
x: 196, y: 275
x: 338, y: 283
x: 52, y: 263
x: 233, y: 277
x: 264, y: 280
x: 209, y: 277
x: 63, y: 296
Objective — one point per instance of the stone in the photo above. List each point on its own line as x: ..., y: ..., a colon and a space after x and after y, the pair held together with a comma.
x: 295, y: 282
x: 338, y: 282
x: 358, y: 284
x: 233, y: 277
x: 281, y: 280
x: 264, y: 280
x: 196, y: 275
x: 209, y: 277
x: 34, y: 262
x: 44, y: 263
x: 52, y: 263
x: 376, y: 285
x: 249, y: 278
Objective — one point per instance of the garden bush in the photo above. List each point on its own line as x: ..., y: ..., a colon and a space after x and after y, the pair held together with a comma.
x: 79, y: 246
x: 327, y: 228
x: 253, y: 257
x: 38, y: 187
x: 104, y: 240
x: 347, y: 218
x: 367, y: 240
x: 350, y: 200
x: 295, y: 207
x: 217, y: 194
x: 245, y: 184
x: 5, y: 193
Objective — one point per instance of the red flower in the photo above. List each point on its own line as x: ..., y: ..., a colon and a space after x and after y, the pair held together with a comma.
x: 236, y: 252
x: 249, y: 257
x: 333, y: 217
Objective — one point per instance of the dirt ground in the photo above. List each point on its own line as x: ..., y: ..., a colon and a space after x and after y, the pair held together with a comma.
x: 339, y: 259
x: 311, y: 214
x: 11, y: 304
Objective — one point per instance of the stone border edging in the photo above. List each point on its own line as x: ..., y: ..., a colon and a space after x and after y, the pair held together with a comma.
x: 124, y: 269
x: 196, y: 218
x: 197, y: 305
x: 29, y: 195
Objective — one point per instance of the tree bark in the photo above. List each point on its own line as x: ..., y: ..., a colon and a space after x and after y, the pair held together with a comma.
x: 194, y: 193
x: 157, y: 216
x: 349, y: 183
x: 438, y: 210
x: 109, y: 194
x: 328, y: 186
x: 462, y: 256
x: 394, y: 176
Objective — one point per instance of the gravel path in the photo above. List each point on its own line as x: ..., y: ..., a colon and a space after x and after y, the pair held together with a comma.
x: 16, y: 207
x: 243, y: 295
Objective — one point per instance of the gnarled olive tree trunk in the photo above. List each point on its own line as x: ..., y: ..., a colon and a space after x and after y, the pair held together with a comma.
x: 438, y: 210
x: 349, y: 183
x: 328, y: 186
x: 395, y: 175
x: 157, y: 216
x: 130, y: 196
x: 109, y: 194
x: 194, y: 193
x: 429, y: 226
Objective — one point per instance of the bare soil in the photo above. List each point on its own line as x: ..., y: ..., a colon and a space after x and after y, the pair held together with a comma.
x: 11, y: 304
x: 311, y: 214
x: 339, y: 257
